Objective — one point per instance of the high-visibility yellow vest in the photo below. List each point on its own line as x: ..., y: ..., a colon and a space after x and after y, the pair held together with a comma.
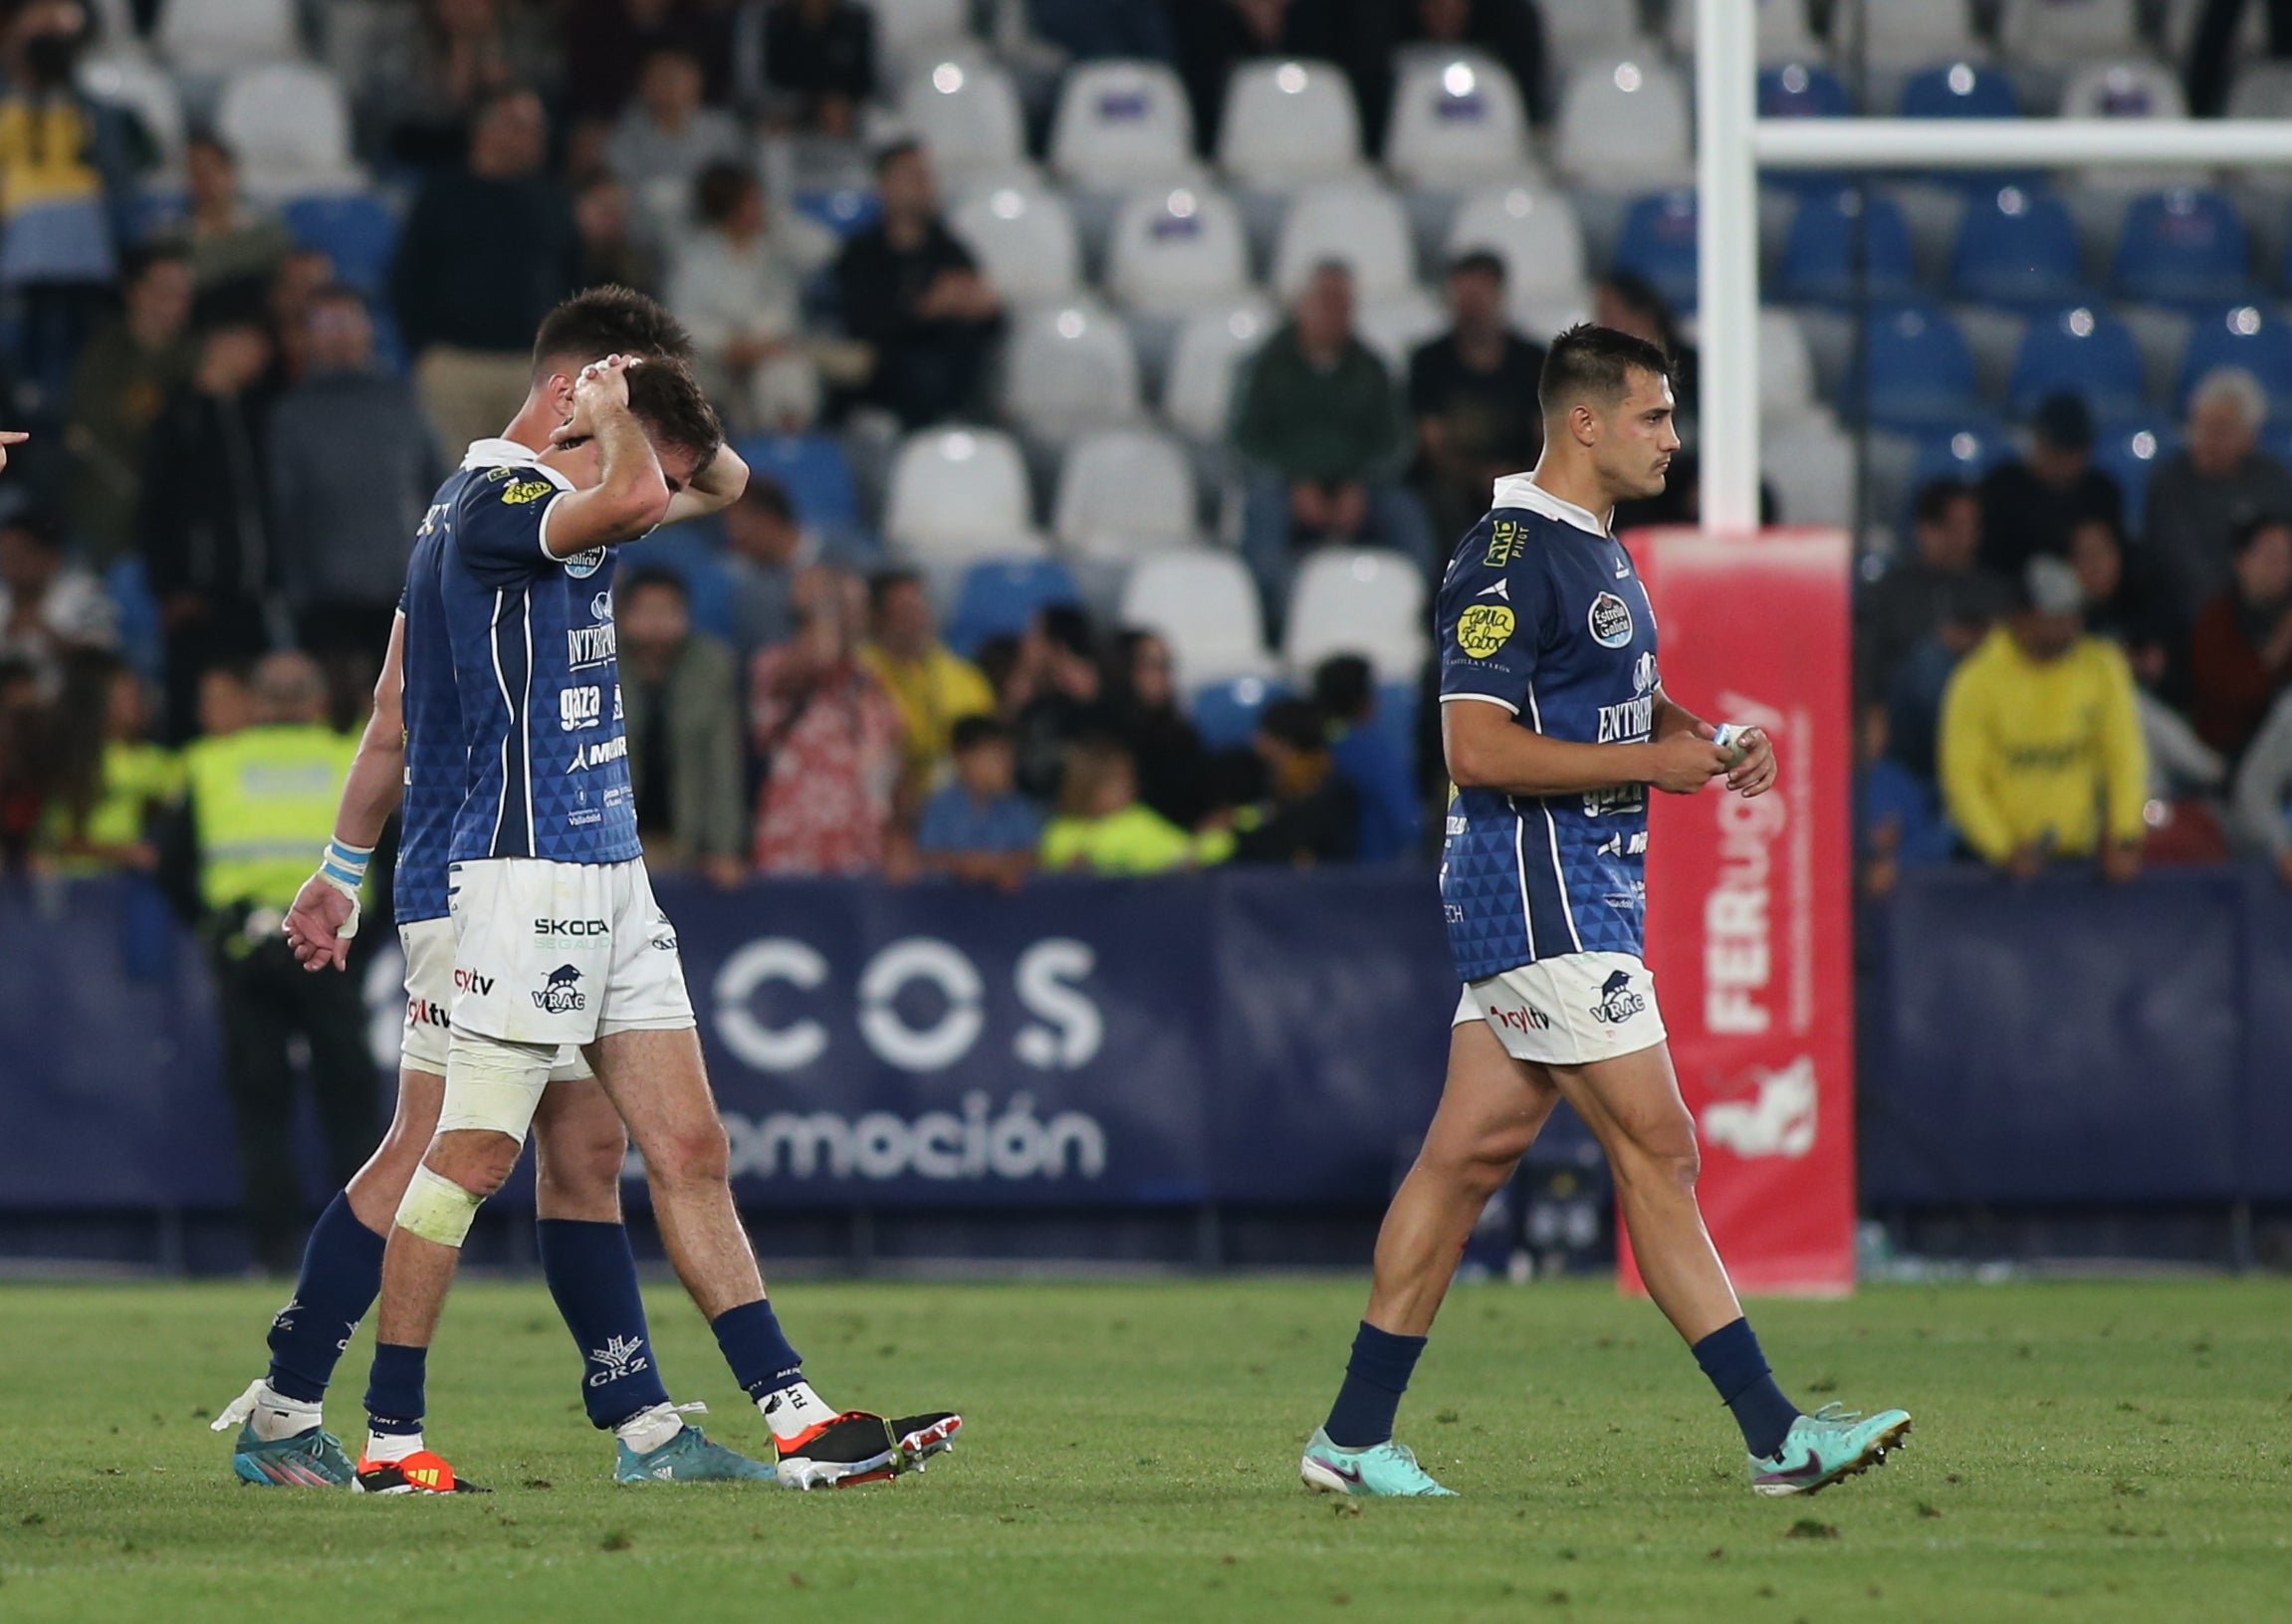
x: 263, y: 799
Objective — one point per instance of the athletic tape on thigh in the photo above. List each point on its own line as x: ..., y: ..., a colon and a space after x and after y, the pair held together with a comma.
x: 437, y: 1209
x: 493, y: 1083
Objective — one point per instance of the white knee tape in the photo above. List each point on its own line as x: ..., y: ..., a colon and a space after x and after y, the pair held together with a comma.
x: 494, y: 1084
x: 437, y: 1209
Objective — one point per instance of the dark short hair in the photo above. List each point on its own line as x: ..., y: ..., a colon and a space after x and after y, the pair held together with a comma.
x: 891, y: 152
x: 884, y: 582
x: 1592, y: 363
x: 768, y: 495
x: 1478, y: 262
x: 1343, y: 686
x: 973, y: 732
x: 142, y: 261
x: 338, y: 293
x: 664, y: 398
x: 213, y: 142
x: 1935, y: 497
x: 1068, y: 625
x: 608, y: 321
x: 2064, y: 420
x: 37, y: 525
x: 650, y: 575
x: 1298, y: 723
x: 2251, y: 529
x: 718, y: 189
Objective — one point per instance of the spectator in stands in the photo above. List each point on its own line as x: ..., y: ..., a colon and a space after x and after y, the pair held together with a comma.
x: 2121, y: 602
x: 112, y: 782
x: 203, y: 517
x: 430, y: 65
x: 1512, y: 31
x: 1057, y: 694
x: 2240, y: 654
x: 485, y: 253
x: 2207, y: 492
x: 828, y: 736
x: 2213, y: 49
x: 980, y: 827
x: 1323, y: 429
x: 1104, y: 30
x: 27, y: 771
x: 122, y: 381
x: 766, y: 547
x: 819, y: 65
x: 302, y: 277
x: 2041, y: 752
x: 48, y: 608
x: 611, y: 251
x: 353, y: 468
x: 1941, y: 584
x: 2260, y: 807
x: 1630, y: 302
x: 231, y: 240
x: 1213, y: 36
x: 666, y: 138
x: 1311, y: 812
x: 739, y: 287
x: 2030, y: 505
x: 1473, y: 394
x: 608, y: 42
x: 680, y: 698
x: 1141, y: 691
x: 1898, y: 816
x: 915, y: 296
x: 931, y: 685
x: 1102, y: 828
x: 1370, y: 759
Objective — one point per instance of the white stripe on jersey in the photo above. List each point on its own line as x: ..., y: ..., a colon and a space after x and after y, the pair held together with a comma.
x: 523, y: 721
x: 1521, y: 868
x: 502, y: 681
x: 1552, y: 829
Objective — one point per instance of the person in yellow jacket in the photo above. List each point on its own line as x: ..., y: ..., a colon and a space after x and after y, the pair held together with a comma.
x: 933, y: 687
x: 261, y: 804
x: 1102, y: 828
x: 2042, y: 747
x: 112, y: 781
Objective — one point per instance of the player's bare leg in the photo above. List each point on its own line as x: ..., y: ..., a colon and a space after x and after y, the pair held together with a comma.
x: 417, y: 1271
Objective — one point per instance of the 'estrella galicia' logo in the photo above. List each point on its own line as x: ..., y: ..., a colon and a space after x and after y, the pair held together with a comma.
x: 558, y: 994
x: 1611, y: 620
x: 581, y: 566
x: 1618, y: 1002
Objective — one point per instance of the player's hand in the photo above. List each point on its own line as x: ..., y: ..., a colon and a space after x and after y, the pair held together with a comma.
x: 320, y: 924
x: 2027, y: 862
x: 1755, y: 774
x: 2120, y: 861
x: 601, y: 386
x: 1684, y: 763
x: 9, y: 437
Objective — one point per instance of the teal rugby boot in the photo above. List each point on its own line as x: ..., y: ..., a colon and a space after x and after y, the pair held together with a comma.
x: 1830, y: 1445
x: 1381, y: 1470
x: 690, y: 1457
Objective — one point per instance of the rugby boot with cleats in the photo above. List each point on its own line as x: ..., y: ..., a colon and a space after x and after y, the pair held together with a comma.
x: 690, y: 1457
x: 421, y: 1472
x: 1380, y: 1471
x: 1832, y: 1443
x: 853, y: 1447
x: 920, y: 1437
x: 310, y: 1458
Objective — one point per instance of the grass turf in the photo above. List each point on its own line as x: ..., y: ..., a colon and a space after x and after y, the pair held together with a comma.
x: 2087, y: 1452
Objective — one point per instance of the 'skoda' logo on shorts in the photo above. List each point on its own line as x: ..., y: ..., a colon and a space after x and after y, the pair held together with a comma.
x: 1484, y: 628
x: 1611, y: 621
x: 1618, y: 1002
x: 581, y: 566
x: 559, y: 995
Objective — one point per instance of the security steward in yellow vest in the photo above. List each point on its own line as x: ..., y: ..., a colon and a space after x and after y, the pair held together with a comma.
x: 262, y: 800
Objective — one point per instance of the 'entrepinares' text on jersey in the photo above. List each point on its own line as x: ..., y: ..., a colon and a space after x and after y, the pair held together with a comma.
x: 546, y: 769
x: 1543, y: 612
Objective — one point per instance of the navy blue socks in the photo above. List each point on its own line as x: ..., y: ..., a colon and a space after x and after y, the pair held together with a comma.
x: 1731, y: 1357
x: 592, y: 1276
x: 757, y: 1349
x: 394, y: 1399
x: 341, y: 1276
x: 1375, y: 1378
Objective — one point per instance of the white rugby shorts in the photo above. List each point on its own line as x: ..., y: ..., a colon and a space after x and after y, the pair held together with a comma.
x: 562, y: 952
x: 1572, y: 1010
x: 428, y: 945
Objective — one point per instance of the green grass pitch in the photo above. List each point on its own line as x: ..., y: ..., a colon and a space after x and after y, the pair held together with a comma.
x: 2084, y: 1451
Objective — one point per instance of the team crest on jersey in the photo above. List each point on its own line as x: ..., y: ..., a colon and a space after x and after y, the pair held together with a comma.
x: 1505, y: 539
x: 1484, y: 628
x: 1611, y: 621
x: 581, y: 566
x: 527, y: 489
x: 1644, y: 676
x: 1618, y: 1002
x: 558, y: 994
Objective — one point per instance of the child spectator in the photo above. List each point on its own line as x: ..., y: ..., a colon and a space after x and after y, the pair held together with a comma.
x: 979, y: 827
x: 110, y: 781
x: 1370, y: 759
x: 1897, y: 817
x: 1102, y: 828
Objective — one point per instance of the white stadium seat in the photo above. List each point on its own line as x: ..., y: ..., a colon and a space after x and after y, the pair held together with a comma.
x: 2125, y: 89
x: 1203, y: 603
x: 1623, y: 123
x: 1783, y: 32
x: 1178, y: 251
x: 1122, y: 125
x: 1900, y: 35
x: 1024, y: 242
x: 1810, y: 467
x: 1358, y: 601
x: 2054, y: 32
x: 1360, y: 224
x: 908, y: 31
x: 1456, y: 119
x: 1575, y: 29
x: 1787, y: 389
x: 214, y: 36
x: 1070, y: 368
x: 1535, y: 233
x: 1288, y: 123
x: 145, y: 89
x: 1199, y: 395
x: 962, y: 107
x: 1395, y: 325
x: 1544, y: 318
x: 289, y: 126
x: 958, y: 495
x: 1122, y: 491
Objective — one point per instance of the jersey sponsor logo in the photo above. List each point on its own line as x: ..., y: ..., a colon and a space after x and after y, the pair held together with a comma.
x: 1484, y: 628
x: 1502, y: 588
x: 597, y: 754
x: 1620, y: 844
x: 1643, y: 678
x: 559, y: 995
x: 469, y: 981
x: 1611, y: 621
x: 1633, y: 720
x: 601, y: 606
x: 545, y: 929
x: 526, y: 490
x: 581, y: 566
x: 1506, y: 538
x: 424, y: 1011
x: 590, y: 646
x: 1618, y: 1002
x: 1528, y: 1017
x: 663, y: 933
x: 580, y: 708
x: 1616, y: 798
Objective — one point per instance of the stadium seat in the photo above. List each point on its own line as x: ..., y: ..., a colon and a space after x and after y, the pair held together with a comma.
x: 289, y: 126
x: 1122, y: 125
x: 2123, y: 90
x: 964, y: 109
x: 1919, y: 372
x: 217, y: 36
x: 1783, y: 31
x: 1226, y: 713
x: 1576, y: 29
x: 1070, y: 368
x: 1000, y: 598
x: 1357, y: 601
x: 1024, y: 242
x: 1197, y: 398
x: 1810, y: 469
x: 1898, y: 35
x: 812, y: 469
x: 1657, y: 242
x: 1803, y: 89
x: 1288, y: 124
x: 1623, y: 123
x: 146, y: 91
x: 1202, y: 603
x: 2058, y: 31
x: 1456, y: 121
x: 1178, y: 251
x: 1963, y: 451
x: 690, y: 553
x: 1844, y: 244
x: 2017, y: 247
x: 2083, y: 352
x: 2182, y: 248
x: 1123, y: 491
x: 958, y: 495
x: 909, y: 32
x: 1785, y: 368
x: 2247, y: 336
x: 1535, y: 233
x: 2179, y: 32
x: 1395, y: 325
x: 1960, y: 89
x: 1359, y: 223
x: 354, y: 230
x: 2129, y: 452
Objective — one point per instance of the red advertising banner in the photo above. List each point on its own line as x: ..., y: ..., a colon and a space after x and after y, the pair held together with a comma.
x: 1750, y: 928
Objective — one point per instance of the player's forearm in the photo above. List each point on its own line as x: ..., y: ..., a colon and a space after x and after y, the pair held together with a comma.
x: 1672, y: 717
x: 1513, y: 761
x: 713, y: 488
x: 375, y: 787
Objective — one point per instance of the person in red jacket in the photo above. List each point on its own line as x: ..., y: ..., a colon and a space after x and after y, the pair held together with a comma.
x: 2240, y: 653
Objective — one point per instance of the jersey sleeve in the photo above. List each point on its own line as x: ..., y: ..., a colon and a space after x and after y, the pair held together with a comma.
x: 499, y: 530
x: 1489, y: 618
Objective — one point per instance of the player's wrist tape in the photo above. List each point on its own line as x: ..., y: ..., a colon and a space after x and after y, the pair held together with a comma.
x: 344, y: 866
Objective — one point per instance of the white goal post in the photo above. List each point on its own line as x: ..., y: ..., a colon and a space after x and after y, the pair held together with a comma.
x: 1732, y: 143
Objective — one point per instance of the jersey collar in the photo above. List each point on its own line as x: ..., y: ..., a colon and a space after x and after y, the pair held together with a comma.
x: 1521, y: 491
x: 499, y: 454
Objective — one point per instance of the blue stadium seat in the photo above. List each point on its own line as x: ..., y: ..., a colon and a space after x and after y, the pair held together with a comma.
x: 2083, y: 352
x: 1801, y: 89
x: 2129, y: 453
x: 2276, y: 439
x: 2181, y: 247
x: 2257, y: 339
x: 1657, y: 242
x: 812, y: 469
x: 1226, y: 713
x: 1830, y: 234
x: 141, y: 642
x: 1963, y: 451
x: 1919, y: 372
x: 358, y: 233
x: 1000, y: 597
x: 1960, y: 89
x: 844, y: 210
x: 2016, y: 247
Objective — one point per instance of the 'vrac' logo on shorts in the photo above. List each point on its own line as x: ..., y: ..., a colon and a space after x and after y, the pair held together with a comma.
x: 1618, y: 1002
x: 559, y: 995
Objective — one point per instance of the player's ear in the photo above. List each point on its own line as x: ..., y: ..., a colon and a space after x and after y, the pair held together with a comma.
x: 560, y: 391
x: 1584, y: 424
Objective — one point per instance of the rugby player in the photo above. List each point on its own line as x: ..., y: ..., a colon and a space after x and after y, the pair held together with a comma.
x: 1555, y: 725
x: 579, y: 1143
